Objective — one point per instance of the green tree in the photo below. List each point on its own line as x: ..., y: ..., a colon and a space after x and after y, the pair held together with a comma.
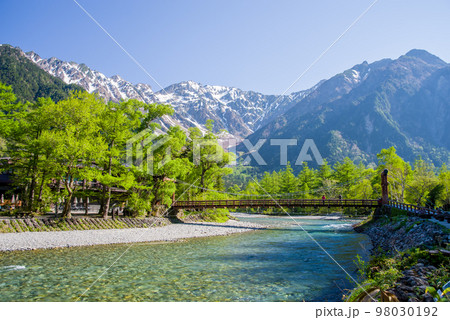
x: 362, y: 188
x: 271, y: 183
x: 77, y: 142
x: 400, y: 172
x: 444, y: 181
x: 289, y: 182
x: 118, y: 123
x: 326, y: 183
x: 424, y: 180
x: 345, y: 174
x: 252, y: 189
x: 209, y: 158
x: 308, y: 181
x: 22, y: 127
x: 170, y: 163
x: 153, y: 185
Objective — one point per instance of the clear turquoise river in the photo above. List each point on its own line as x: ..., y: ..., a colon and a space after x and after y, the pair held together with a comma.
x: 278, y: 264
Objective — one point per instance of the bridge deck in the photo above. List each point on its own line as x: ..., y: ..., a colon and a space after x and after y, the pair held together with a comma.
x: 299, y: 203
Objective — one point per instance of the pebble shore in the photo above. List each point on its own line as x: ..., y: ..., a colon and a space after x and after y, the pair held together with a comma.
x: 172, y: 232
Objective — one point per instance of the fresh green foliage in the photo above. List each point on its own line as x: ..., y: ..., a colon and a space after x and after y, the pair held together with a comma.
x: 424, y: 180
x: 57, y: 149
x: 400, y: 172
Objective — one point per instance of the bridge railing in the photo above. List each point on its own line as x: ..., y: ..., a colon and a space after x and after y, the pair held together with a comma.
x: 413, y: 208
x: 275, y: 203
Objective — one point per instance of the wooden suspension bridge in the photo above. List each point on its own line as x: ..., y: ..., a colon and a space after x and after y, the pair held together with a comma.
x: 421, y: 212
x: 288, y: 203
x: 267, y: 203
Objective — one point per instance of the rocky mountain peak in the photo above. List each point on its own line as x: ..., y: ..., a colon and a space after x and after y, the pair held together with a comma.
x: 426, y: 57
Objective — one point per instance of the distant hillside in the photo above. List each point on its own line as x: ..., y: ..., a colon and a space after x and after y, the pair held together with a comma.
x: 28, y: 81
x: 403, y: 103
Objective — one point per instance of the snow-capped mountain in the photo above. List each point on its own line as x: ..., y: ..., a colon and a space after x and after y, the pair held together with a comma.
x: 114, y: 88
x: 238, y: 112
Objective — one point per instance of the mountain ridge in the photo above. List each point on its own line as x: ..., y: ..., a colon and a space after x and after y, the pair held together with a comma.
x: 237, y: 111
x: 402, y: 103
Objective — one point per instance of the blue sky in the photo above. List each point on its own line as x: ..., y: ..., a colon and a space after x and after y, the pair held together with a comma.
x: 253, y: 45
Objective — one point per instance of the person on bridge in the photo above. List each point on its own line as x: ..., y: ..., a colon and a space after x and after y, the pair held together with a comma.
x: 323, y: 198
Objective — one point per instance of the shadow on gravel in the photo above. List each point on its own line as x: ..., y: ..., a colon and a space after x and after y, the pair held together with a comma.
x: 175, y: 220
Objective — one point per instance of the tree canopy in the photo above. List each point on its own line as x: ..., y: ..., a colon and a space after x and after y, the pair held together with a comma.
x: 58, y: 149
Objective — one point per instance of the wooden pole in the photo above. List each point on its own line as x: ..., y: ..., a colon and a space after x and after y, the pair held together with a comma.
x: 384, y: 187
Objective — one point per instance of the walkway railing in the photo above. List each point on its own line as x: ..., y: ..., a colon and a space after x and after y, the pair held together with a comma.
x: 200, y: 204
x: 421, y: 212
x: 414, y: 209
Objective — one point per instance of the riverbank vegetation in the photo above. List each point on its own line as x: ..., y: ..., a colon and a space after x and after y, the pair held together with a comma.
x: 412, y: 275
x: 114, y: 154
x: 409, y: 261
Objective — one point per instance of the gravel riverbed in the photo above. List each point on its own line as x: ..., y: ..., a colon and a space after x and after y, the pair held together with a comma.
x: 172, y: 232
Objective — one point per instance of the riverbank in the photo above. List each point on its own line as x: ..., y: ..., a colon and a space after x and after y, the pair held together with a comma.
x: 49, y: 223
x: 171, y: 232
x: 409, y: 256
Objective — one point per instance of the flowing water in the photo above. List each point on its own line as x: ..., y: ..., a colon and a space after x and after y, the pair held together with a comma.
x: 278, y: 264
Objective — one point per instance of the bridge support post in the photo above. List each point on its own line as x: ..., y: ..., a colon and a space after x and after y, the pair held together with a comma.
x: 384, y: 188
